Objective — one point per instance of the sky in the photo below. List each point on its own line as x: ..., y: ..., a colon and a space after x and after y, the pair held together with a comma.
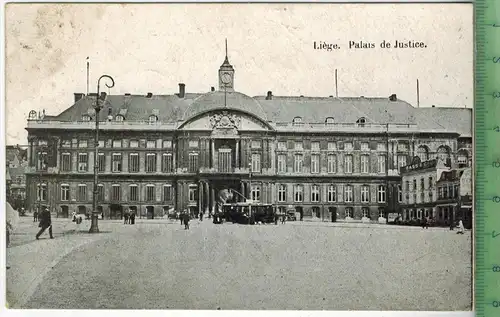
x: 153, y: 47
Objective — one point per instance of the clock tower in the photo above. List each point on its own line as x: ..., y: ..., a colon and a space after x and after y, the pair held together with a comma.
x: 226, y: 75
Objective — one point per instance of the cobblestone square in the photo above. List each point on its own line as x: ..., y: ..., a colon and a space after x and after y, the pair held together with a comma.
x: 156, y: 264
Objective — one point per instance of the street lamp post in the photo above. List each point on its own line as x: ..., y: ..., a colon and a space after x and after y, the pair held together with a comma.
x: 97, y: 107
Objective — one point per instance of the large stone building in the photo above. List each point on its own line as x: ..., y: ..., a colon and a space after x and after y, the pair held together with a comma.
x: 323, y: 156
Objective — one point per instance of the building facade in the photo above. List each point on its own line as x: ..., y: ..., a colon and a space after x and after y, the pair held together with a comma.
x: 325, y: 157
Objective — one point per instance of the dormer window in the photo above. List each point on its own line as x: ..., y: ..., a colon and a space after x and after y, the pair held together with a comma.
x: 86, y: 117
x: 361, y: 121
x: 329, y: 120
x: 119, y: 118
x: 153, y: 118
x: 297, y: 120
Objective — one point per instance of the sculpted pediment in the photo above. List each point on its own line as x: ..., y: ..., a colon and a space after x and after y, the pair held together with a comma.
x: 223, y: 121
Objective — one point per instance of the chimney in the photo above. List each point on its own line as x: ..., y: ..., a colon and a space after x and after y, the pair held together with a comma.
x: 182, y: 90
x: 78, y: 96
x: 433, y: 106
x: 149, y: 95
x: 393, y: 97
x: 269, y: 95
x: 212, y: 89
x: 103, y: 95
x: 110, y: 116
x: 127, y: 94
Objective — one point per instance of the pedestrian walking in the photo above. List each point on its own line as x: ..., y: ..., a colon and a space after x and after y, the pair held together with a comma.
x: 425, y: 223
x: 181, y: 217
x: 35, y: 216
x: 186, y: 221
x: 125, y: 217
x: 461, y: 228
x: 45, y: 222
x: 201, y: 216
x: 132, y: 218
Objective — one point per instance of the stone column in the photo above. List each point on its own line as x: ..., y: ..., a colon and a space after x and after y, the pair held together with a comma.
x: 212, y: 195
x: 212, y: 146
x: 237, y: 155
x: 206, y: 190
x: 200, y: 197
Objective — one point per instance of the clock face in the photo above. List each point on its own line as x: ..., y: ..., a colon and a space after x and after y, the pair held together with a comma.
x: 226, y: 78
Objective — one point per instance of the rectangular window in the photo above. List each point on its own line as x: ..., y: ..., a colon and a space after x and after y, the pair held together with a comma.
x: 193, y: 143
x: 281, y: 193
x: 400, y: 194
x: 115, y: 192
x: 282, y: 145
x: 348, y: 164
x: 150, y: 193
x: 64, y: 192
x: 167, y: 164
x: 82, y: 192
x: 117, y: 162
x: 193, y: 163
x: 315, y: 146
x: 100, y: 192
x: 150, y: 144
x: 332, y: 163
x: 255, y: 192
x: 315, y: 163
x: 298, y: 146
x: 298, y: 193
x: 415, y: 185
x: 117, y: 143
x: 133, y: 162
x: 348, y: 212
x: 256, y: 144
x: 332, y: 146
x: 133, y: 193
x: 381, y: 194
x: 101, y: 144
x: 315, y: 193
x: 281, y: 163
x: 193, y: 193
x: 150, y: 162
x: 402, y: 147
x: 431, y: 182
x: 42, y: 161
x: 365, y: 194
x: 422, y: 184
x: 407, y: 186
x: 256, y: 163
x: 82, y: 162
x: 65, y: 162
x: 167, y: 144
x: 101, y: 162
x: 42, y: 192
x: 348, y: 196
x: 82, y: 143
x: 332, y: 193
x: 382, y: 159
x: 365, y: 212
x: 401, y: 160
x: 167, y: 192
x: 365, y: 165
x: 134, y: 143
x: 348, y: 146
x: 365, y: 146
x: 298, y: 163
x: 225, y: 160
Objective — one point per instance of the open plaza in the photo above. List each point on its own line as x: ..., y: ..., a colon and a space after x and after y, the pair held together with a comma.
x: 156, y: 264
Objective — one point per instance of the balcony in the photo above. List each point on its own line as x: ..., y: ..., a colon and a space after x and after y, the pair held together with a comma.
x: 35, y: 170
x: 104, y: 125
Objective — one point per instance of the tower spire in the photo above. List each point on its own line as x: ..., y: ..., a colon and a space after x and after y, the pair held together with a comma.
x: 226, y: 60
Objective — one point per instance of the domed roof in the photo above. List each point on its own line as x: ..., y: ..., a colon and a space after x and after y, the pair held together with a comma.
x: 232, y: 99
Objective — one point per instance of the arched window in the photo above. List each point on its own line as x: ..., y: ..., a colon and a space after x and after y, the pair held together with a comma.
x: 423, y: 153
x: 119, y: 118
x: 329, y: 120
x: 153, y: 118
x: 297, y: 120
x: 443, y: 153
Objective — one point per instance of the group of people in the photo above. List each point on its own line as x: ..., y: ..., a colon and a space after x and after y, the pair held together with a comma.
x: 460, y: 225
x: 129, y: 217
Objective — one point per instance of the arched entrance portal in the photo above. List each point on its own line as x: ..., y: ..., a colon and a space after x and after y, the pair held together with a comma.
x: 115, y: 211
x: 333, y: 212
x: 64, y: 211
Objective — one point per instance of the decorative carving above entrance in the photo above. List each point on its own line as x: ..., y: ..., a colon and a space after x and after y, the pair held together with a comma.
x: 225, y: 120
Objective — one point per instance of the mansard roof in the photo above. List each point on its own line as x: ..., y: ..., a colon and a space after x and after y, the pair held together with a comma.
x: 278, y: 109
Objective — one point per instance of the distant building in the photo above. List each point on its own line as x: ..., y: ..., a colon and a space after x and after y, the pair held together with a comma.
x: 454, y: 201
x: 16, y: 161
x: 325, y: 157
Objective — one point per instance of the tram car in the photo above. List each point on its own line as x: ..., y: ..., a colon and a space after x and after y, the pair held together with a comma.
x: 248, y: 213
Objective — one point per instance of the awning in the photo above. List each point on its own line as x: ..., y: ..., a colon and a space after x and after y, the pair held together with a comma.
x: 447, y: 205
